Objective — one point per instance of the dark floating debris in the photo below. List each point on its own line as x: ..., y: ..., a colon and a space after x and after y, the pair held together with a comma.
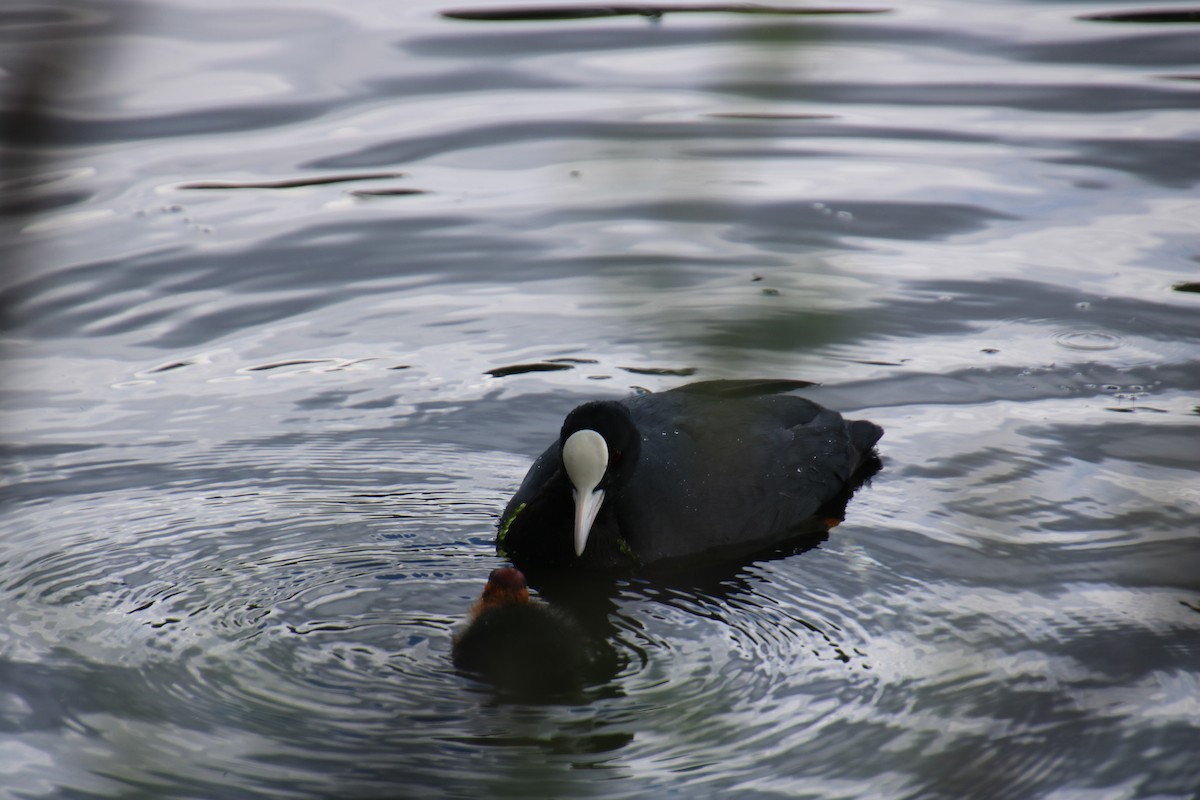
x: 385, y: 192
x: 752, y: 115
x: 295, y: 362
x: 520, y: 369
x: 1188, y: 286
x: 868, y: 362
x: 170, y: 366
x: 682, y: 372
x: 292, y: 183
x: 1156, y: 16
x: 549, y: 13
x: 571, y: 360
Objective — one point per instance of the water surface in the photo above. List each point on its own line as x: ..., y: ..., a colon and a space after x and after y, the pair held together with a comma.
x: 279, y: 272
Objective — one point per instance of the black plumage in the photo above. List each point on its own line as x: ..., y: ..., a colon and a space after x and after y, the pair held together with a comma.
x: 705, y: 467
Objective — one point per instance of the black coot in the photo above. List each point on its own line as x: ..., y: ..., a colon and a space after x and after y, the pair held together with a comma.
x: 521, y: 646
x: 710, y: 466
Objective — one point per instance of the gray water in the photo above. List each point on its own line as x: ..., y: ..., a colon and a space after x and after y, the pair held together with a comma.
x: 294, y: 292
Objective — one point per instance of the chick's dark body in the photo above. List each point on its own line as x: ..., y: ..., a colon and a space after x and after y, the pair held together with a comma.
x: 524, y: 649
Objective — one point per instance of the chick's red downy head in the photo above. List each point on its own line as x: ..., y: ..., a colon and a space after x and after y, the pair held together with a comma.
x: 505, y: 586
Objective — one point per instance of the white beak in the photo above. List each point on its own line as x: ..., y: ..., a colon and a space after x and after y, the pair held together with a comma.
x: 585, y: 457
x: 587, y: 506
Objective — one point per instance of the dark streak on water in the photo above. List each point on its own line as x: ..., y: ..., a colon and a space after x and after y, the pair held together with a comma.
x: 558, y: 12
x: 1156, y: 17
x: 522, y: 369
x: 292, y: 183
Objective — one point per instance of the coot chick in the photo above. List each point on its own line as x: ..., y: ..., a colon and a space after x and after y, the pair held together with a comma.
x: 521, y: 646
x: 707, y: 467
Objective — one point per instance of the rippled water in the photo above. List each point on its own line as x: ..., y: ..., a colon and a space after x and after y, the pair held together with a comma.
x: 295, y: 292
